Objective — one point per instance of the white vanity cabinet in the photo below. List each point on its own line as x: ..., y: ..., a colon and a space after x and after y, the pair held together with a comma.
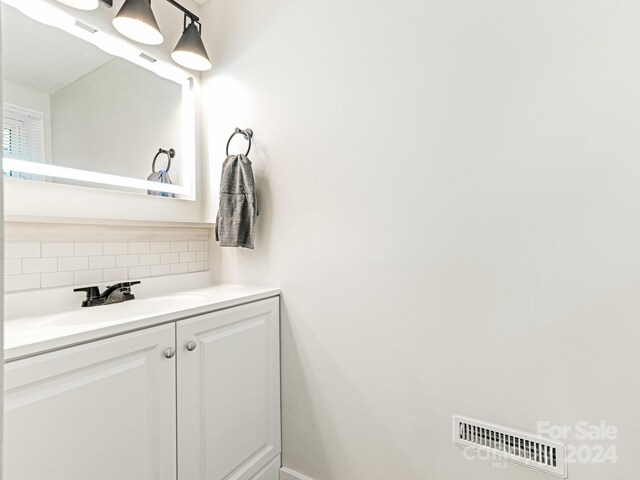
x: 229, y: 392
x: 150, y: 405
x: 102, y: 410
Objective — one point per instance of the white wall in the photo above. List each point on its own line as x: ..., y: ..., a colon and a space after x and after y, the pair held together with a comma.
x: 449, y: 197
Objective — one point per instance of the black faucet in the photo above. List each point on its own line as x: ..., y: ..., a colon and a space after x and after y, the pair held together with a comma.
x: 120, y: 292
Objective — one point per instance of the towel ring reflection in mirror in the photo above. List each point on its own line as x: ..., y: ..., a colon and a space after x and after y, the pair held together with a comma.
x: 169, y: 153
x: 248, y: 135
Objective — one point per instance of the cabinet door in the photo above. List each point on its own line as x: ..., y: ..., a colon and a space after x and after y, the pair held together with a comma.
x: 229, y: 392
x: 105, y: 410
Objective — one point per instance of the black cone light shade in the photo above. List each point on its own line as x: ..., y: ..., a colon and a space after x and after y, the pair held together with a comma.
x: 190, y: 51
x: 136, y: 21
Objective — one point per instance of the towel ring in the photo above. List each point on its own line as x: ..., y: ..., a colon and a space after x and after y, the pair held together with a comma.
x: 248, y: 135
x: 169, y: 153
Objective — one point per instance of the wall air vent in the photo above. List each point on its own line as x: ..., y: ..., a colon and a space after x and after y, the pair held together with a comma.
x: 504, y: 443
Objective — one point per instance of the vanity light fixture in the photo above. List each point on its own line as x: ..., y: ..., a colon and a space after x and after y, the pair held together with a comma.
x: 136, y: 21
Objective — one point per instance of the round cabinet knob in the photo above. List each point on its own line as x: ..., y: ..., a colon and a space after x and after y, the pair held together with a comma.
x: 170, y: 352
x: 191, y: 346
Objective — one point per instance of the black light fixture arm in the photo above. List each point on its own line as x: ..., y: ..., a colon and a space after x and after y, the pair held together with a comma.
x: 194, y: 18
x: 194, y: 22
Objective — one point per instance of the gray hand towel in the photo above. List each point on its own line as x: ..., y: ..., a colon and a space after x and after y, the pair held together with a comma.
x: 235, y: 223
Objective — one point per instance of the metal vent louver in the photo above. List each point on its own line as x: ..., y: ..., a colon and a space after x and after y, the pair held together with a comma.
x: 505, y: 443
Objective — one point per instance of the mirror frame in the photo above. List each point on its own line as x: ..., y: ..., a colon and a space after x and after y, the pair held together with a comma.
x: 44, y: 12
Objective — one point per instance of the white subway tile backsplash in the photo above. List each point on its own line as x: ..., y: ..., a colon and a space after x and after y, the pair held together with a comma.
x: 21, y: 250
x: 87, y: 276
x: 57, y: 249
x: 12, y: 266
x: 187, y: 256
x: 49, y: 264
x: 39, y: 265
x: 179, y: 268
x: 179, y: 246
x: 160, y: 247
x: 21, y: 282
x: 86, y: 249
x: 66, y: 264
x: 196, y: 266
x: 115, y: 274
x: 150, y: 259
x: 115, y: 249
x: 139, y: 247
x: 196, y: 246
x: 127, y: 260
x: 139, y: 272
x: 57, y: 279
x: 169, y: 257
x: 160, y: 270
x: 102, y: 261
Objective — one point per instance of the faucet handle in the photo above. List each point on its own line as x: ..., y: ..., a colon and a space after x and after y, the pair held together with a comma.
x: 93, y: 295
x: 124, y: 286
x: 92, y: 292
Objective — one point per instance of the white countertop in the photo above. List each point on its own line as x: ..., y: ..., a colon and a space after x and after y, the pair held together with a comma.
x: 36, y: 333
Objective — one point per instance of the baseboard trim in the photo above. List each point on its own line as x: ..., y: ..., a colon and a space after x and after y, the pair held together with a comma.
x: 289, y: 474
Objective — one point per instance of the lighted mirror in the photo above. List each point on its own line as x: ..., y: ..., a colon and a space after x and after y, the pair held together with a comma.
x: 75, y: 114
